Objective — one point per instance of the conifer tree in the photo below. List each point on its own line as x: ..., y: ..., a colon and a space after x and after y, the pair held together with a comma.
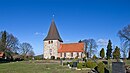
x: 102, y: 53
x: 116, y: 53
x: 109, y: 49
x: 3, y: 42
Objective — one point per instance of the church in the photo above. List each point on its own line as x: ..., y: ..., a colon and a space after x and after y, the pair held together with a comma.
x: 54, y: 46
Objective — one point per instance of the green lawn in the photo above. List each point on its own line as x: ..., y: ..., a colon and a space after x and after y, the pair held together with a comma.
x: 27, y: 67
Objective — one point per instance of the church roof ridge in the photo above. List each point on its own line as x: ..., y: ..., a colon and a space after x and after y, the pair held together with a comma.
x: 53, y: 33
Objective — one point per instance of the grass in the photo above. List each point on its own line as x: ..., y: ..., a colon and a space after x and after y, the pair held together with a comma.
x: 38, y: 67
x: 31, y: 67
x: 127, y: 62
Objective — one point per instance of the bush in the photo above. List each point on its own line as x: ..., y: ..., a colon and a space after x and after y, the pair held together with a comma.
x: 84, y: 59
x: 76, y: 57
x: 62, y: 58
x: 80, y: 65
x: 71, y: 58
x: 58, y: 58
x: 37, y: 58
x: 52, y: 57
x: 94, y: 57
x: 101, y: 67
x: 91, y: 64
x: 65, y: 63
x: 71, y: 64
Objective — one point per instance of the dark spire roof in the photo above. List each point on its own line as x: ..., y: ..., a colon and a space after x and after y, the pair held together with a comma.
x: 53, y: 33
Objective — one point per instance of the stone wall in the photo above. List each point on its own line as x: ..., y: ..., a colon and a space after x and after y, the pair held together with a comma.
x: 50, y: 49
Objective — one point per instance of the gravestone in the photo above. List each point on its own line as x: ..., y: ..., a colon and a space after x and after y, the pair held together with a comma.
x: 61, y: 62
x: 74, y: 64
x: 118, y: 67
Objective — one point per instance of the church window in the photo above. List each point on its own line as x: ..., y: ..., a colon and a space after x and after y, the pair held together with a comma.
x: 60, y: 54
x: 64, y: 54
x: 72, y: 54
x: 81, y: 54
x: 48, y: 42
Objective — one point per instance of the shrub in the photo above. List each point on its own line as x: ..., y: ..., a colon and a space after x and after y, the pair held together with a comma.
x: 101, y: 67
x: 71, y: 64
x: 84, y: 65
x: 94, y: 57
x: 62, y: 58
x: 75, y: 60
x: 58, y: 58
x: 37, y: 58
x: 76, y: 57
x: 84, y: 59
x: 91, y: 64
x: 80, y: 65
x: 65, y: 63
x: 52, y: 57
x: 71, y: 58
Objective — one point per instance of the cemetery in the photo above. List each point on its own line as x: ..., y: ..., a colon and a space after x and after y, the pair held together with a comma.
x: 64, y: 36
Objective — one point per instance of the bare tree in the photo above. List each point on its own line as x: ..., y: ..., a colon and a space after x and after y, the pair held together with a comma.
x: 124, y: 35
x: 8, y: 43
x: 25, y: 48
x: 31, y: 53
x: 90, y: 46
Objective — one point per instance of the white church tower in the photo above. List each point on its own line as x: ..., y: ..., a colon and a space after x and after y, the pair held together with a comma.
x: 52, y: 42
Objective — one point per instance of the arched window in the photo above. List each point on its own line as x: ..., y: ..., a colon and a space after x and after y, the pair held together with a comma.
x: 64, y: 54
x: 60, y: 54
x: 48, y: 42
x: 72, y: 54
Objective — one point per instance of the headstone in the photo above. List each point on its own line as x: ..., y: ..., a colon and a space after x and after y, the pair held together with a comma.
x: 74, y: 64
x: 118, y: 67
x: 61, y: 62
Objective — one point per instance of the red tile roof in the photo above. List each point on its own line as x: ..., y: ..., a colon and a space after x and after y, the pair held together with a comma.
x: 72, y: 47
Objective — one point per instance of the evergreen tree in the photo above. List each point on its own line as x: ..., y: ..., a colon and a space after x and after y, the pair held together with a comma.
x: 102, y: 53
x: 94, y: 57
x: 116, y: 53
x: 109, y: 49
x: 3, y: 42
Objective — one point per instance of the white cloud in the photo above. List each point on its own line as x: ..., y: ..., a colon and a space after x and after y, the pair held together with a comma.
x: 102, y: 42
x: 39, y: 33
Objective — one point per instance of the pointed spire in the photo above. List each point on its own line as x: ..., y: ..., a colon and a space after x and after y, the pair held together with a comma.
x: 53, y: 33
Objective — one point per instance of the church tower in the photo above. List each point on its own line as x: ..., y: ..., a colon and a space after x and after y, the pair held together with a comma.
x: 52, y: 42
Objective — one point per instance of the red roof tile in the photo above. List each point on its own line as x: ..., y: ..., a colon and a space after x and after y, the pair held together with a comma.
x: 72, y: 47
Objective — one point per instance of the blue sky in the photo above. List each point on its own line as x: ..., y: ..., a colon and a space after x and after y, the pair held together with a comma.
x: 29, y: 20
